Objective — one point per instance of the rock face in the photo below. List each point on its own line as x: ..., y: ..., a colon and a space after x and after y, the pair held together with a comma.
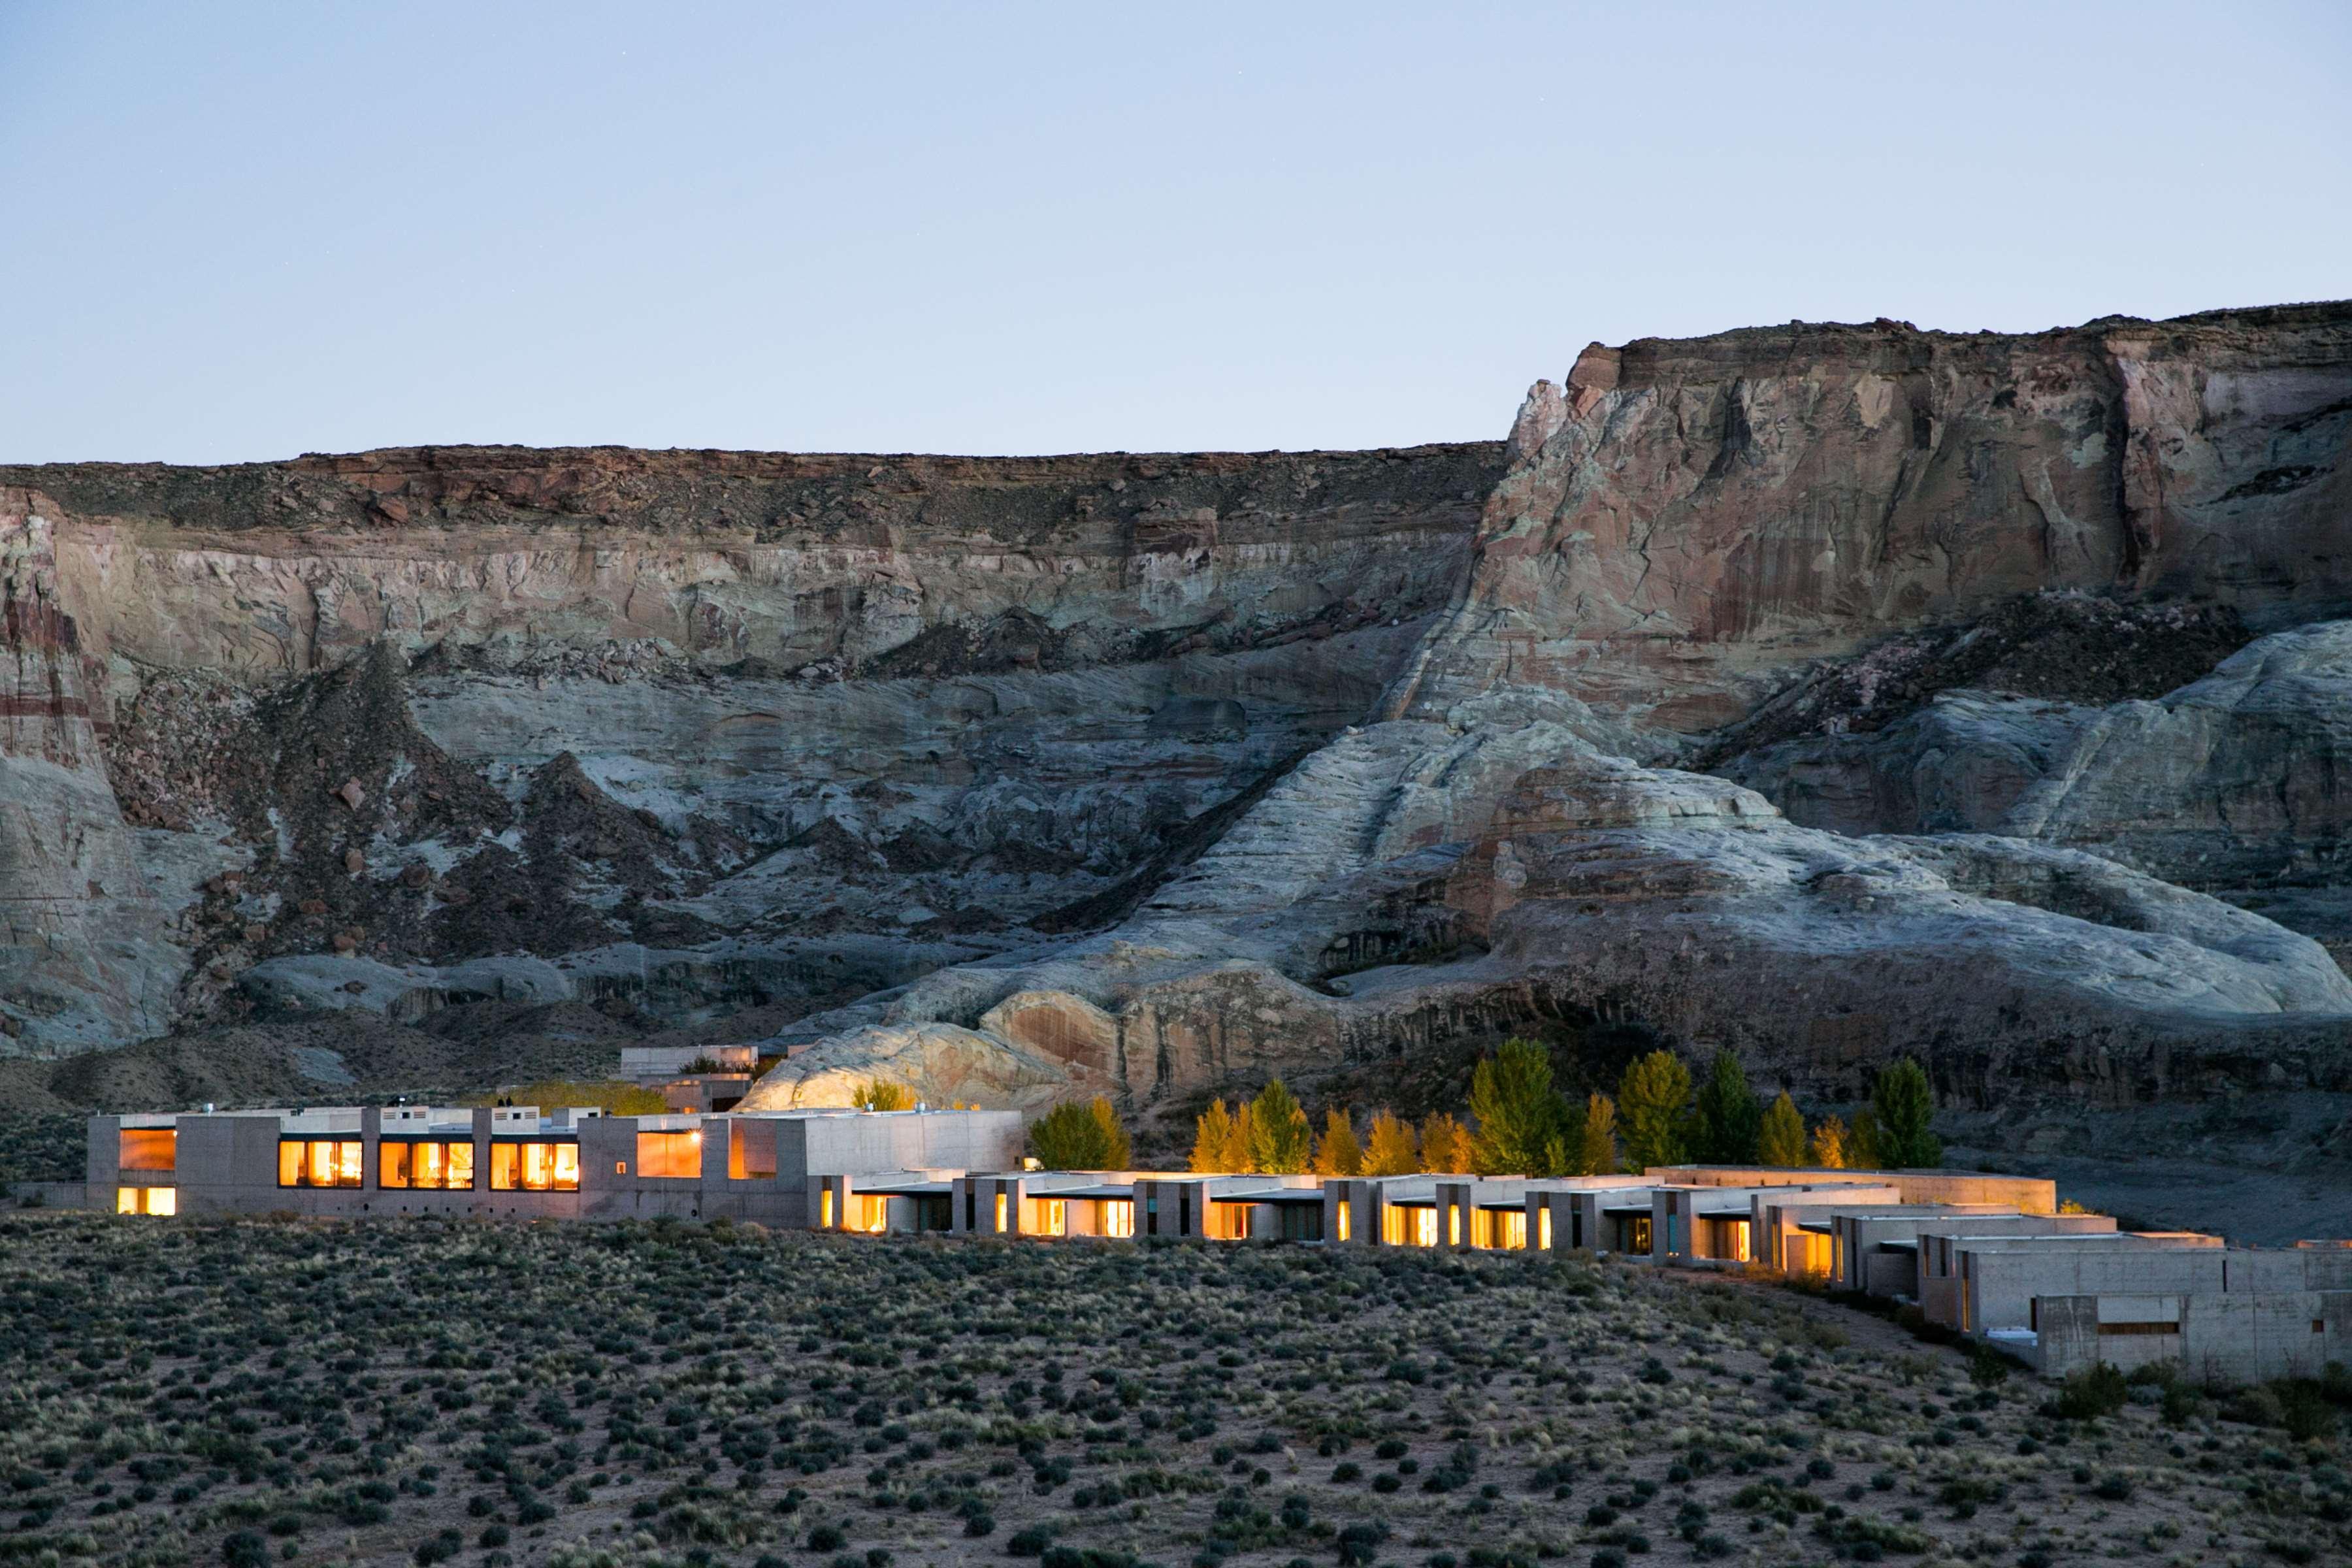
x: 1820, y: 691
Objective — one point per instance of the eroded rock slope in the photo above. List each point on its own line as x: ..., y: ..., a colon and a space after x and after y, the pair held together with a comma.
x: 1825, y: 692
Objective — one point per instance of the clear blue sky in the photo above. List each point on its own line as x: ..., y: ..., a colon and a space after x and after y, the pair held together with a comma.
x: 242, y: 231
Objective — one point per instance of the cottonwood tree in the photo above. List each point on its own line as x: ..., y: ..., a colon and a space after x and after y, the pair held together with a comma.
x: 1654, y: 1111
x: 1833, y: 1144
x: 1279, y: 1140
x: 1389, y: 1147
x: 1903, y: 1104
x: 1518, y: 1112
x: 1444, y: 1145
x: 1338, y: 1153
x: 1727, y: 1119
x: 1780, y: 1136
x: 1596, y: 1150
x: 1073, y: 1137
x: 1221, y: 1140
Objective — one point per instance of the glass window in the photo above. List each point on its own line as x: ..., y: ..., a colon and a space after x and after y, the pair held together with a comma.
x: 147, y: 1200
x: 319, y: 1162
x: 1057, y: 1216
x: 435, y: 1166
x: 869, y: 1214
x: 824, y: 1209
x: 751, y: 1151
x: 1302, y: 1222
x: 670, y: 1155
x: 1543, y: 1227
x: 1000, y: 1214
x: 149, y: 1149
x: 534, y: 1166
x: 1118, y: 1217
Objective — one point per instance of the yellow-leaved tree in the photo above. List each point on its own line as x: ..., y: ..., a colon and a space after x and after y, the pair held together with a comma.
x: 1388, y: 1149
x: 1336, y: 1152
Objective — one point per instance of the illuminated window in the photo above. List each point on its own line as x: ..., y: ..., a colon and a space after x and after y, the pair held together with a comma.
x: 751, y: 1151
x: 534, y: 1167
x: 1482, y: 1227
x: 670, y: 1155
x: 824, y: 1210
x: 147, y: 1149
x: 163, y: 1200
x: 147, y: 1200
x: 1058, y: 1217
x: 1424, y: 1228
x: 1453, y: 1225
x: 1000, y: 1214
x: 1344, y: 1207
x: 871, y: 1215
x: 1511, y: 1230
x: 1118, y: 1217
x: 319, y: 1162
x: 435, y: 1166
x: 1543, y: 1228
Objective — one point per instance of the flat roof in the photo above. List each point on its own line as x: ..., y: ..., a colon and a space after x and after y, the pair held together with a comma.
x: 1127, y: 1193
x: 1272, y: 1195
x: 898, y: 1189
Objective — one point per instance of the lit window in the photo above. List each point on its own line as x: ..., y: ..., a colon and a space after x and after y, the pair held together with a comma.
x: 1453, y: 1225
x: 1424, y: 1228
x: 126, y: 1200
x: 436, y: 1167
x: 147, y: 1149
x: 534, y: 1167
x: 751, y: 1151
x: 319, y: 1162
x: 1058, y: 1217
x: 671, y: 1156
x: 1543, y: 1228
x: 1118, y: 1217
x: 869, y: 1214
x: 1000, y: 1214
x: 824, y: 1210
x: 147, y: 1200
x: 1344, y: 1207
x: 1511, y: 1229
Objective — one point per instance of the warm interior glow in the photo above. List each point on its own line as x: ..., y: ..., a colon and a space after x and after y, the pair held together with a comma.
x: 147, y: 1200
x: 126, y: 1200
x: 1424, y: 1228
x: 436, y: 1166
x: 319, y: 1162
x: 824, y: 1210
x: 535, y: 1167
x: 672, y: 1155
x: 1511, y: 1229
x: 1543, y: 1227
x: 869, y: 1214
x: 1344, y: 1207
x: 1118, y: 1217
x: 751, y: 1151
x: 1057, y: 1216
x: 147, y: 1149
x: 1000, y: 1225
x: 163, y: 1200
x: 1452, y: 1224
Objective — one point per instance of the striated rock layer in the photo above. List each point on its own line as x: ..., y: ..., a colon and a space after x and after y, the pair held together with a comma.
x: 1823, y: 691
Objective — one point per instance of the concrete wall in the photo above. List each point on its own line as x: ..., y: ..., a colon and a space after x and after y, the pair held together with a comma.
x: 2230, y: 1338
x: 2026, y: 1194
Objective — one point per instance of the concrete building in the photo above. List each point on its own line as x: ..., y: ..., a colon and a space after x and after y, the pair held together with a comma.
x: 517, y: 1161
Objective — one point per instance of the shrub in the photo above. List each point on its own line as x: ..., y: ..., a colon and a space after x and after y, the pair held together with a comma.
x: 245, y: 1549
x: 2094, y: 1391
x: 875, y: 1094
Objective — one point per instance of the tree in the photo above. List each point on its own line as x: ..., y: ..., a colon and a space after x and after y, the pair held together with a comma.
x: 1444, y: 1145
x: 1389, y: 1148
x: 1279, y: 1140
x: 1517, y: 1110
x: 1596, y: 1152
x: 1833, y: 1144
x: 1652, y: 1109
x: 875, y: 1094
x: 1073, y: 1137
x: 1221, y: 1140
x: 1903, y: 1104
x: 1780, y: 1136
x: 1338, y: 1153
x: 1863, y: 1142
x: 1728, y: 1118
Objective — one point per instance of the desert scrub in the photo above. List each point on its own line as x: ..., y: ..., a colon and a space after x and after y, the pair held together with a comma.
x: 608, y: 1396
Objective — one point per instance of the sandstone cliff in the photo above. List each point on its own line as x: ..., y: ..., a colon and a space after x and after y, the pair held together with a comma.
x: 1825, y: 692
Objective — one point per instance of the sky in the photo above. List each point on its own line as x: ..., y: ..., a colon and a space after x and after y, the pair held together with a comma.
x: 244, y: 231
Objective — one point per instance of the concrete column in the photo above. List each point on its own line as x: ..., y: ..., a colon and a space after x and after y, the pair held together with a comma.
x: 371, y: 1138
x: 482, y: 1193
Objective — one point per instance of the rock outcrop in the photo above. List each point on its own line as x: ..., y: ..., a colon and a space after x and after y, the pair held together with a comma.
x: 1822, y: 691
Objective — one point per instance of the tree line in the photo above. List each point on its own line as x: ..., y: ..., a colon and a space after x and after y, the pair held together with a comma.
x: 1519, y: 1123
